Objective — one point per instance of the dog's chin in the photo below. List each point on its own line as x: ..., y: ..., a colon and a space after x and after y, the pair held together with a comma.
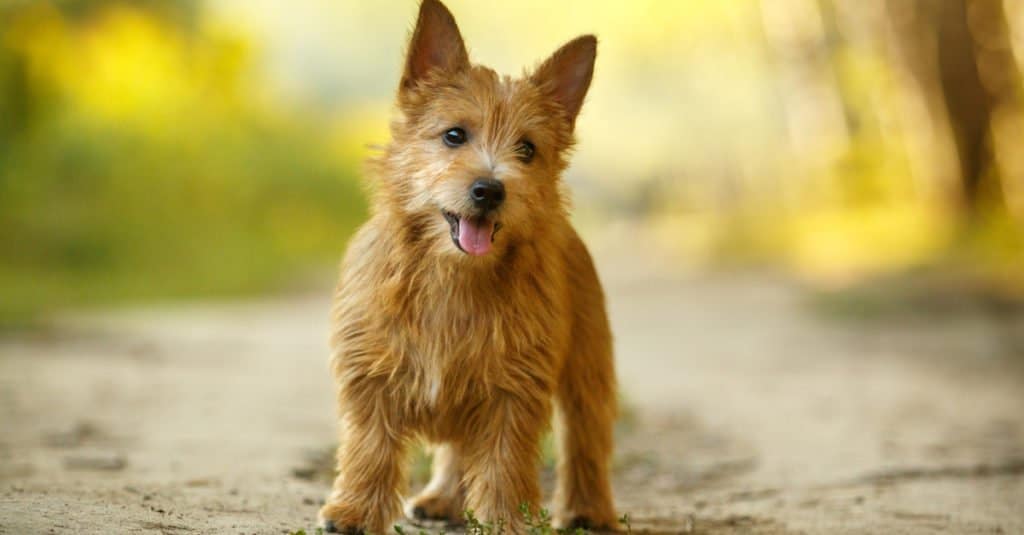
x: 473, y: 235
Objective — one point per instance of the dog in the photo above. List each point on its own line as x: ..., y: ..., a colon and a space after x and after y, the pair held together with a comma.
x: 468, y: 310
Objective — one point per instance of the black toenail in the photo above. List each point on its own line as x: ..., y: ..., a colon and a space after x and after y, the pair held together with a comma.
x: 329, y: 526
x: 419, y: 512
x: 579, y: 522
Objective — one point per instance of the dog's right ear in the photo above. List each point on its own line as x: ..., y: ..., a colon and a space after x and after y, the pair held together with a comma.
x: 436, y: 44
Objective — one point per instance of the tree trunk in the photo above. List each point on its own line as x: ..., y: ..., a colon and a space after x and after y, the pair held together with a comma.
x: 969, y: 103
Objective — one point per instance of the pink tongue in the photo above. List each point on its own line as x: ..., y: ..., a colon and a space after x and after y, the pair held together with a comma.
x: 475, y: 235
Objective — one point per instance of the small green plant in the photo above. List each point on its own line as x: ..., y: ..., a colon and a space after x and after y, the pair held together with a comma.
x: 476, y: 527
x: 319, y: 531
x: 624, y: 520
x: 401, y: 531
x: 540, y: 524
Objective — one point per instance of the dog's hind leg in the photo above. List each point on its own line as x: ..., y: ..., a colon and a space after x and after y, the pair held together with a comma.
x: 443, y: 497
x: 586, y: 405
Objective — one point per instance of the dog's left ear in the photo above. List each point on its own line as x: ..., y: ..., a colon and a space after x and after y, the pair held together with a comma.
x: 435, y: 44
x: 565, y: 76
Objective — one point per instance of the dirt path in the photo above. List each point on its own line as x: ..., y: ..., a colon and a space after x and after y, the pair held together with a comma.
x: 748, y: 415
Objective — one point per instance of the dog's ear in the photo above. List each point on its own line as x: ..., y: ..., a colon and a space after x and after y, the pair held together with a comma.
x: 565, y: 76
x: 435, y: 44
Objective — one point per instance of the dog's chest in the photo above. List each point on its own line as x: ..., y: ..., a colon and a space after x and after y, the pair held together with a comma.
x: 434, y: 379
x: 463, y: 347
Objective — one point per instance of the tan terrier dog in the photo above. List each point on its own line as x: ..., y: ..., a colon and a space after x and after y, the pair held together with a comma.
x: 467, y: 305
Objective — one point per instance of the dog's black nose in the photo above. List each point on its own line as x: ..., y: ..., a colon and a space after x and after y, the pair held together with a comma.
x: 487, y: 193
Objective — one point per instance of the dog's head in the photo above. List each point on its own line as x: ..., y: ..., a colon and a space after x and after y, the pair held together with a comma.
x: 475, y: 159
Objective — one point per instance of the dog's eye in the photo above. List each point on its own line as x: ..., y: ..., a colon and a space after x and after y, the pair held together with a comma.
x: 454, y: 137
x: 525, y: 151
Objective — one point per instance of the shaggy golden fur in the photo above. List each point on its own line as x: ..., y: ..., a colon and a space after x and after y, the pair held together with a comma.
x: 471, y: 352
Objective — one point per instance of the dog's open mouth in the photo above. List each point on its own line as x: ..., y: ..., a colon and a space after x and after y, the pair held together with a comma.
x: 472, y: 235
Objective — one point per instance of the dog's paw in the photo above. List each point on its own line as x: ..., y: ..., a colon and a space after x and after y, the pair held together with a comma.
x: 329, y: 527
x: 336, y: 518
x: 433, y: 508
x: 580, y: 522
x: 589, y: 522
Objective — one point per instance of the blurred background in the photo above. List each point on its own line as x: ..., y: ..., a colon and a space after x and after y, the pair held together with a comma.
x: 161, y: 149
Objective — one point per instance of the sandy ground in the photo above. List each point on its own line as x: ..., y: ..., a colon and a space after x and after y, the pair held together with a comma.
x: 749, y: 413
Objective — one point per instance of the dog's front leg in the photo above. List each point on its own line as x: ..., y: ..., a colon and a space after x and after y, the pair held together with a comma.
x: 367, y: 492
x: 502, y: 456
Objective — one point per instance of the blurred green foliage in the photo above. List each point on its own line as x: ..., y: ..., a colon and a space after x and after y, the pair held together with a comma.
x: 136, y: 162
x: 161, y: 148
